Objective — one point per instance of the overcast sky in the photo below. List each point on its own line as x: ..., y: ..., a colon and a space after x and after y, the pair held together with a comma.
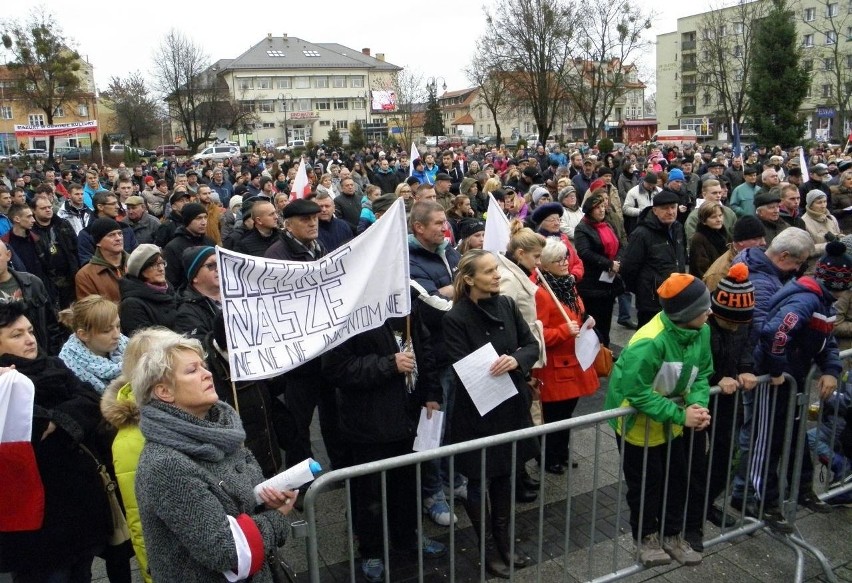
x: 434, y: 38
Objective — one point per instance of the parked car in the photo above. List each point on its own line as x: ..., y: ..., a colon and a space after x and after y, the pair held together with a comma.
x: 31, y: 153
x: 67, y: 152
x: 146, y: 153
x: 220, y: 152
x: 170, y: 150
x: 297, y: 143
x: 116, y: 149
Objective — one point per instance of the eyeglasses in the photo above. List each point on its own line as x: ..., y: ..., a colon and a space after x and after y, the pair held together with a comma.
x: 160, y: 265
x: 211, y: 265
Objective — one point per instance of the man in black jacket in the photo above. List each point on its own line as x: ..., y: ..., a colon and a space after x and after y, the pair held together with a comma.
x: 191, y: 234
x: 657, y: 249
x: 59, y: 241
x: 306, y: 387
x: 347, y: 205
x: 200, y: 302
x: 265, y: 231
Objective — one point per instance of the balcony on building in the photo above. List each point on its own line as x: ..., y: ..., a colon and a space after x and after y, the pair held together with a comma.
x: 688, y: 88
x: 688, y: 110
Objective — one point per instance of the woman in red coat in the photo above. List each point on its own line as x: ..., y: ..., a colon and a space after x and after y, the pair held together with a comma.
x: 563, y: 381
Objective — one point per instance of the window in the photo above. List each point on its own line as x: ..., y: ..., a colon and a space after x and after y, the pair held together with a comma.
x: 322, y: 105
x: 357, y: 81
x: 722, y: 30
x: 849, y: 61
x: 808, y: 64
x: 246, y: 106
x: 738, y: 28
x: 303, y: 105
x: 706, y: 100
x: 849, y: 33
x: 244, y: 83
x: 325, y: 123
x: 267, y: 106
x: 830, y: 37
x: 274, y: 53
x: 829, y: 64
x: 59, y: 111
x: 342, y: 124
x: 285, y: 83
x: 83, y: 110
x: 303, y: 83
x: 264, y: 83
x: 738, y: 76
x: 321, y: 82
x: 268, y: 125
x: 5, y: 112
x: 827, y: 90
x: 832, y: 10
x: 338, y: 81
x: 341, y: 104
x: 359, y: 103
x: 36, y: 119
x: 809, y: 94
x: 311, y: 53
x: 808, y: 40
x: 738, y: 51
x: 810, y: 14
x: 299, y: 133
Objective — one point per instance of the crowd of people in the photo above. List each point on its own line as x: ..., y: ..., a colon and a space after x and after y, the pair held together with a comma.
x: 727, y: 266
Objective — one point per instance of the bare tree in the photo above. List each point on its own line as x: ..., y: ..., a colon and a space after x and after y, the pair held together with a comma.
x: 492, y: 87
x: 831, y: 63
x: 650, y: 105
x: 725, y: 38
x: 46, y: 68
x: 608, y: 37
x: 410, y: 88
x: 137, y: 112
x: 197, y: 97
x: 529, y: 42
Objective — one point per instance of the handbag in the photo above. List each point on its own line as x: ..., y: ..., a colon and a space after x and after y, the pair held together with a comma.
x: 280, y: 570
x: 120, y: 531
x: 603, y: 362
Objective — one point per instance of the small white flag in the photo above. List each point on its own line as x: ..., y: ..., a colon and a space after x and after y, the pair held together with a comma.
x: 497, y: 230
x: 414, y: 155
x: 301, y: 187
x: 804, y: 165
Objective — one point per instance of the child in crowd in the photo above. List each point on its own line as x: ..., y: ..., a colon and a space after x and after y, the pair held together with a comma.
x: 668, y: 357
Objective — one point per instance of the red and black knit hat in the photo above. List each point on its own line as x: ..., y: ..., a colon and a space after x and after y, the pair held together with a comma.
x: 834, y: 269
x: 733, y: 299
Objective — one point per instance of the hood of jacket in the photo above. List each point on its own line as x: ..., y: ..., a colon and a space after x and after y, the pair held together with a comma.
x: 415, y: 244
x: 757, y: 261
x: 118, y: 405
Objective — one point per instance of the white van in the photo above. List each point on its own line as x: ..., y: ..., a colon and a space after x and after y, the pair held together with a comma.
x: 679, y: 138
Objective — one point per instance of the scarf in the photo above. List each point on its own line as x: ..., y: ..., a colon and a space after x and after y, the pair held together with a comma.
x: 210, y: 439
x: 89, y: 367
x: 564, y: 289
x: 817, y: 216
x: 156, y: 287
x: 717, y: 237
x: 607, y: 235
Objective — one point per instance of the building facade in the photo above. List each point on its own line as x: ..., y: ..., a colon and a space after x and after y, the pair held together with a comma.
x: 685, y: 100
x: 16, y: 110
x: 300, y: 90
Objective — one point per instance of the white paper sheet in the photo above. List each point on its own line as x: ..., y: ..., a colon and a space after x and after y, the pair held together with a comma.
x: 289, y: 479
x: 607, y: 277
x: 587, y: 346
x: 485, y: 391
x: 429, y: 431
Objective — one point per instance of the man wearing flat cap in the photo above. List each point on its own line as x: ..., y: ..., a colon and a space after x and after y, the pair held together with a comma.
x: 767, y: 207
x: 306, y: 387
x: 657, y: 249
x: 817, y: 180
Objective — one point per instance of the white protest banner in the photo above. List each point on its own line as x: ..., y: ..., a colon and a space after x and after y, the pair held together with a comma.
x: 280, y: 314
x: 497, y: 229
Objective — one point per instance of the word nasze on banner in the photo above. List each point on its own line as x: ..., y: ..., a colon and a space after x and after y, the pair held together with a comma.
x: 280, y: 314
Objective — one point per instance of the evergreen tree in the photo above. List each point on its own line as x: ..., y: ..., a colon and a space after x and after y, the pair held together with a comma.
x: 334, y: 139
x: 777, y: 82
x: 356, y: 136
x: 433, y: 125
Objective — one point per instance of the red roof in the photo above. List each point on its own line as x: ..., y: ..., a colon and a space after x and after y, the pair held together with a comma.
x: 466, y: 119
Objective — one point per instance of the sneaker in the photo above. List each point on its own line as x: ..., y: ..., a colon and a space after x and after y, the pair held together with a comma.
x: 460, y: 492
x: 695, y: 538
x: 432, y: 549
x: 373, y: 570
x: 774, y: 519
x: 650, y: 552
x: 438, y: 510
x: 811, y: 501
x: 680, y: 550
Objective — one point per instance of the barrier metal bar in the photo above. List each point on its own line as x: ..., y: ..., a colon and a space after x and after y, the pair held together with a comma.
x: 843, y: 481
x: 596, y: 420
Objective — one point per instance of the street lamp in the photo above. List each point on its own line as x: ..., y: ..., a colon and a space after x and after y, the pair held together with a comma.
x: 432, y: 83
x: 285, y: 97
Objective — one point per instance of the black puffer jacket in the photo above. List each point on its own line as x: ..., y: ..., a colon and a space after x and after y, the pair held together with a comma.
x: 375, y: 406
x: 142, y: 306
x: 654, y: 253
x: 196, y: 314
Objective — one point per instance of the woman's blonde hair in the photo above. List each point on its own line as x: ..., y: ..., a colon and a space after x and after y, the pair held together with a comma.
x: 93, y: 313
x: 467, y: 268
x: 523, y: 238
x: 156, y: 364
x: 491, y: 185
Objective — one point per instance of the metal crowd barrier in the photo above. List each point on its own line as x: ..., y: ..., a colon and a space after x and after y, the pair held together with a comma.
x: 600, y: 566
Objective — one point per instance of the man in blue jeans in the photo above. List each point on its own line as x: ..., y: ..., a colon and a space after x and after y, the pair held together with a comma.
x: 433, y: 264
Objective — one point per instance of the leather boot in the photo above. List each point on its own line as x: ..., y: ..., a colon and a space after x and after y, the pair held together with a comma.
x: 501, y: 508
x: 494, y: 564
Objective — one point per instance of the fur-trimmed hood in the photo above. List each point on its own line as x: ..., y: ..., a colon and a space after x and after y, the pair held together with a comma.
x: 118, y: 405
